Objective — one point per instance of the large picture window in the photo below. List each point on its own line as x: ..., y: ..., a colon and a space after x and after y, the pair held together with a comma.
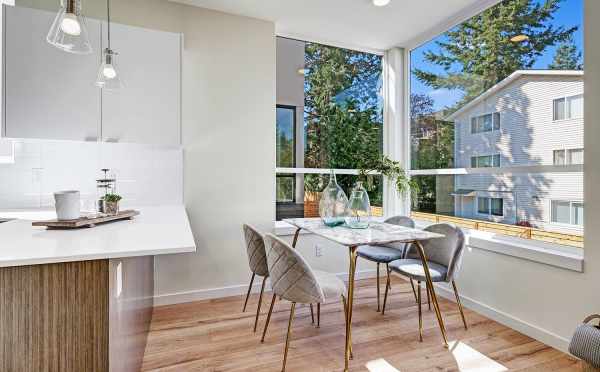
x: 507, y: 84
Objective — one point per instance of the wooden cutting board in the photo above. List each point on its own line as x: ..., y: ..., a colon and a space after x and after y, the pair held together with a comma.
x: 87, y: 221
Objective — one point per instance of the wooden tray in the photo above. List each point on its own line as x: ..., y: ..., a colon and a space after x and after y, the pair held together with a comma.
x: 86, y: 221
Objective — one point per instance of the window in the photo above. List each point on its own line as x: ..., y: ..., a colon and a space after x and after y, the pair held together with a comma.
x: 480, y: 146
x: 485, y: 123
x: 567, y: 212
x: 568, y: 107
x: 490, y: 206
x: 568, y: 157
x: 332, y: 118
x: 486, y: 161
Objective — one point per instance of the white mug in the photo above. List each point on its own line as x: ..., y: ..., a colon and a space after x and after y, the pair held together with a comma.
x: 67, y: 204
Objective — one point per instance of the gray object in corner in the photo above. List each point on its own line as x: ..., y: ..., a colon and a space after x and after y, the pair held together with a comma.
x: 585, y: 343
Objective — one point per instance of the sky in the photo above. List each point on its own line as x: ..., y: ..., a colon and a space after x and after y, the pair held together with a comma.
x: 570, y: 14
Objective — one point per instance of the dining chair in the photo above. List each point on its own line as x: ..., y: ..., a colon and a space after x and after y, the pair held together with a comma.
x: 444, y: 257
x: 293, y: 280
x: 257, y: 260
x: 386, y: 253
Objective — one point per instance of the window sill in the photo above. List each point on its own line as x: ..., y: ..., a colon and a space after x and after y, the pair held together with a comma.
x: 564, y: 257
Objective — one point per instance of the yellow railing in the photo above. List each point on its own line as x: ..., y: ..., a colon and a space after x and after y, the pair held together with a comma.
x: 573, y: 240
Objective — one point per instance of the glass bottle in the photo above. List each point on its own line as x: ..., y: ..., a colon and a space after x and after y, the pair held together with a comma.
x: 333, y: 207
x: 359, y: 216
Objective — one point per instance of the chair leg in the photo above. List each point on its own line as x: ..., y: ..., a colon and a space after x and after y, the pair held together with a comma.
x: 378, y: 291
x: 312, y: 314
x: 412, y: 284
x: 428, y: 298
x: 262, y: 289
x: 268, y: 317
x: 346, y: 322
x: 287, y: 339
x: 318, y: 315
x: 462, y: 314
x: 248, y: 294
x: 387, y: 289
x: 420, y: 313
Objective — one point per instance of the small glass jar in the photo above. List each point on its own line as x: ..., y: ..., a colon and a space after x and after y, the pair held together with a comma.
x: 359, y: 207
x: 333, y: 206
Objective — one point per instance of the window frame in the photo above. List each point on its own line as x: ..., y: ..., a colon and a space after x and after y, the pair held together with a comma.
x: 571, y: 214
x: 489, y: 213
x: 567, y: 156
x: 493, y: 160
x: 295, y: 144
x: 566, y: 108
x: 493, y: 114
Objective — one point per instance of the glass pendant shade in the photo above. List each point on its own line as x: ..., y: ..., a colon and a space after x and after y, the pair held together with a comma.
x: 108, y: 73
x: 359, y: 206
x: 333, y: 207
x: 69, y: 31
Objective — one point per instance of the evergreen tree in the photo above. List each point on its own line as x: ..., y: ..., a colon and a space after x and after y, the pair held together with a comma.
x: 566, y: 57
x: 479, y: 53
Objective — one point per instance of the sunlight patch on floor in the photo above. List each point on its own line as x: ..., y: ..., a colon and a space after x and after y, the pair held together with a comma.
x: 380, y: 365
x: 471, y: 360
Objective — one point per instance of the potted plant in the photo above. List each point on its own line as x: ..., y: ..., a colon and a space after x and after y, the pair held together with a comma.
x: 111, y: 203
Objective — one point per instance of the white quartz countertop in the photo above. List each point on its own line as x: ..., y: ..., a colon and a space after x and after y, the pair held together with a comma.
x: 156, y: 231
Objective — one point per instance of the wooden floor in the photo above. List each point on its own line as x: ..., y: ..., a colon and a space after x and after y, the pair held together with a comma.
x: 215, y: 335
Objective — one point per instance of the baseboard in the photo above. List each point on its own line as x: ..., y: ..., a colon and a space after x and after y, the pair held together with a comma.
x: 233, y: 290
x: 540, y: 334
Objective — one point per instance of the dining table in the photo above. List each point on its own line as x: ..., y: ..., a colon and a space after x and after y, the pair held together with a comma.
x: 378, y: 233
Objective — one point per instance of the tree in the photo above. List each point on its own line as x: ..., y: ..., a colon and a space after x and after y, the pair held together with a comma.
x: 567, y: 57
x: 479, y: 53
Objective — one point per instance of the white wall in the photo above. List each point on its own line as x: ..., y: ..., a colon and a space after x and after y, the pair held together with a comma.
x: 544, y: 301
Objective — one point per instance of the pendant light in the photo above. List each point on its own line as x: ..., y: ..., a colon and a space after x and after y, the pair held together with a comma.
x: 108, y: 75
x: 68, y: 31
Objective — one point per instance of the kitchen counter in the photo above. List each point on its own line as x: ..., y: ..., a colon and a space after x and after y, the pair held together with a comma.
x: 156, y: 231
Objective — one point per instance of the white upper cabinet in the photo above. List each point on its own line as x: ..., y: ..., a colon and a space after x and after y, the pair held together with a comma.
x: 48, y: 93
x: 147, y: 109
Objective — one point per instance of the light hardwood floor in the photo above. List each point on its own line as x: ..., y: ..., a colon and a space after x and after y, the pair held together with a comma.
x: 215, y: 336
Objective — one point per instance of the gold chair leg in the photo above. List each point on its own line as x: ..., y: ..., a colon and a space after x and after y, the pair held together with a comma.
x: 388, y: 287
x: 350, y: 299
x: 378, y: 291
x: 289, y: 332
x: 412, y: 284
x: 312, y: 314
x: 262, y: 289
x: 318, y: 315
x: 248, y: 294
x: 346, y: 321
x: 460, y: 307
x: 420, y: 312
x: 268, y: 317
x: 428, y: 299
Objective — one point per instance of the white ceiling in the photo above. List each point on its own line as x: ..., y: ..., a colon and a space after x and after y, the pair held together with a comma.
x: 353, y: 23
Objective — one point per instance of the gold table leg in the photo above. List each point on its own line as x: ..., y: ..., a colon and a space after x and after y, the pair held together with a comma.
x: 350, y: 300
x: 429, y: 283
x: 296, y: 238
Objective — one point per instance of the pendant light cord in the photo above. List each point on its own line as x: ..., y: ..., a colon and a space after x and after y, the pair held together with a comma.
x: 108, y: 19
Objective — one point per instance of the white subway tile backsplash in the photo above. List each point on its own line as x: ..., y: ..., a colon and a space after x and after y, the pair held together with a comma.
x: 146, y: 174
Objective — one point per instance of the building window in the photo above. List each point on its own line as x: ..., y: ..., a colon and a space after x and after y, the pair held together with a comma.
x: 285, y: 152
x: 490, y: 206
x: 568, y: 107
x: 485, y: 123
x: 568, y: 157
x: 567, y: 212
x: 485, y: 161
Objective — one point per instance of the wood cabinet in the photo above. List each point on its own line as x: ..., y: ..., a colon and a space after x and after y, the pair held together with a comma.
x: 50, y: 94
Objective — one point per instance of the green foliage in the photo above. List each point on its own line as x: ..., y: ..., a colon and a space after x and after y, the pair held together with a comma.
x: 392, y: 171
x: 567, y: 57
x: 285, y: 150
x: 112, y: 198
x: 478, y: 53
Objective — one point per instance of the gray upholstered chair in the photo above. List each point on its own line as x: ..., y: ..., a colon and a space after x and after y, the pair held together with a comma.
x: 444, y: 257
x: 257, y: 260
x: 384, y: 254
x: 293, y: 280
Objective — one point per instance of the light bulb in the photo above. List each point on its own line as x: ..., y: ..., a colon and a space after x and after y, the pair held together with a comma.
x: 70, y: 25
x: 109, y: 72
x: 381, y: 2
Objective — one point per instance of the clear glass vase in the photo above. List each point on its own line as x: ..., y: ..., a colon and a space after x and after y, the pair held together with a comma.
x: 333, y: 207
x: 359, y: 207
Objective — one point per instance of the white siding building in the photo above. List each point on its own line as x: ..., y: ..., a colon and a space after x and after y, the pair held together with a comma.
x: 531, y: 118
